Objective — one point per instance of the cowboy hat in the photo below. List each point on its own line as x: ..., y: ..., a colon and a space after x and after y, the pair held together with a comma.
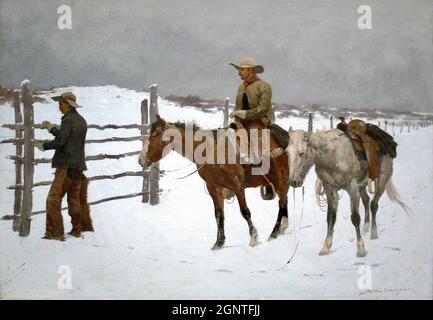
x: 249, y: 63
x: 69, y: 98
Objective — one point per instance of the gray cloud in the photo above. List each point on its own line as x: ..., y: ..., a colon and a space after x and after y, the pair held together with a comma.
x: 313, y: 51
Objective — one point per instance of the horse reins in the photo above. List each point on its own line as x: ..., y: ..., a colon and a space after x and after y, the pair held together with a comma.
x: 300, y: 223
x: 189, y: 174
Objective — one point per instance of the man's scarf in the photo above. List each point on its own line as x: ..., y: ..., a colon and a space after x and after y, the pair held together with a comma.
x: 247, y: 82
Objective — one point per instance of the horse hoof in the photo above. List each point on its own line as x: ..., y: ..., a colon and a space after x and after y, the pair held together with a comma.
x: 366, y: 228
x: 361, y: 253
x: 361, y: 249
x: 254, y: 241
x: 374, y: 236
x: 272, y: 237
x: 218, y: 245
x: 324, y: 252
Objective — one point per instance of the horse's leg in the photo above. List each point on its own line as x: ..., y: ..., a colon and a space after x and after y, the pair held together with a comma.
x: 218, y: 201
x: 240, y: 194
x: 356, y: 219
x: 366, y: 203
x: 386, y: 172
x: 282, y: 222
x: 332, y: 199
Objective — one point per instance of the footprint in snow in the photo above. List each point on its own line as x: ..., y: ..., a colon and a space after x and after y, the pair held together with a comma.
x: 393, y: 248
x: 223, y: 270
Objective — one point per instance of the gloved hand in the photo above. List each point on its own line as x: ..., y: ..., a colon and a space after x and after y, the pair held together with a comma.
x: 239, y: 114
x: 39, y: 145
x: 47, y: 125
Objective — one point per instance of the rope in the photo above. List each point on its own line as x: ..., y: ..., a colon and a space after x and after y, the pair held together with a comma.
x: 321, y: 199
x: 230, y: 202
x: 320, y: 195
x: 208, y: 193
x: 189, y: 174
x: 189, y: 164
x: 300, y: 224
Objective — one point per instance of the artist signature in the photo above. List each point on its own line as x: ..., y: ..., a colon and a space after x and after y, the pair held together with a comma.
x: 386, y: 290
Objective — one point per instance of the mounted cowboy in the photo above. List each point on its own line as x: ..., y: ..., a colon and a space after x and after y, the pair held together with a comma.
x: 253, y: 99
x: 253, y: 109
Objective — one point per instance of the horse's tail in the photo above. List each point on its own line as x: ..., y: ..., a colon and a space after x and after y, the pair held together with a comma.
x: 394, y: 196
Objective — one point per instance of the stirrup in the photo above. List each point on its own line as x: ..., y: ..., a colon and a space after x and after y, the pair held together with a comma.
x: 267, y: 195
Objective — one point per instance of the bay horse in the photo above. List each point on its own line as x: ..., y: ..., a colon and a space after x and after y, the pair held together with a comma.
x: 338, y: 167
x: 219, y: 177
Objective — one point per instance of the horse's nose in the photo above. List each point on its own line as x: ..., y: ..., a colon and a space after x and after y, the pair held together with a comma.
x: 141, y: 162
x: 295, y: 183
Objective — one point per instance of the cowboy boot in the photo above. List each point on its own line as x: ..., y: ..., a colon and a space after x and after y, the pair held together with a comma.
x: 51, y: 237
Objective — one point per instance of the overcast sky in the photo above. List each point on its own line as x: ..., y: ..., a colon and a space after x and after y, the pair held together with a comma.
x: 312, y: 51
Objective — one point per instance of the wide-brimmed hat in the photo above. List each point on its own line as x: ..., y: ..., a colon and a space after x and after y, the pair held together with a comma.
x: 249, y: 63
x: 69, y: 98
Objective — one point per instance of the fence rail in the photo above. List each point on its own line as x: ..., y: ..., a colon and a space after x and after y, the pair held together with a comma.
x: 126, y: 196
x: 25, y: 161
x: 89, y: 126
x: 111, y: 139
x: 88, y: 158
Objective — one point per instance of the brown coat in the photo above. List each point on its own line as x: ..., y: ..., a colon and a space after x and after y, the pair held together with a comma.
x: 259, y: 95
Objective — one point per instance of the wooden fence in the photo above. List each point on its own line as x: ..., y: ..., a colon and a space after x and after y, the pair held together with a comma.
x: 25, y: 161
x: 388, y: 126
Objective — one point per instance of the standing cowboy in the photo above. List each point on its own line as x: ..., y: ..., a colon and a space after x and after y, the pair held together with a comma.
x: 69, y: 161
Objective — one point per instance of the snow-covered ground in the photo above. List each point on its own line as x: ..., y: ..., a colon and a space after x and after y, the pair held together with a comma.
x: 163, y: 252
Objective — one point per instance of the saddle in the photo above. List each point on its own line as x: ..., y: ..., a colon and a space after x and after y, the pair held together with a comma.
x: 370, y: 143
x: 281, y: 136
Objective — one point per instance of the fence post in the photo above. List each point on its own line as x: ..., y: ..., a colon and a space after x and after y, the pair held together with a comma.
x: 18, y: 163
x: 273, y: 114
x: 331, y: 122
x: 226, y: 113
x: 144, y: 131
x: 310, y: 122
x: 28, y: 159
x: 154, y: 168
x: 386, y: 125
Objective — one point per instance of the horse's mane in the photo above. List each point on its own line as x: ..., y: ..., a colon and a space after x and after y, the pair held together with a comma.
x: 182, y: 124
x: 177, y: 124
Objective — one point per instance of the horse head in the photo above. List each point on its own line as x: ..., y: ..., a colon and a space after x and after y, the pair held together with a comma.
x: 154, y: 148
x: 301, y: 157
